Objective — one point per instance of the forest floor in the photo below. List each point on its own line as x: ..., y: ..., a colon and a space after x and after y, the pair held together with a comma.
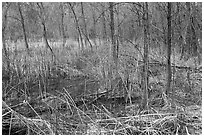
x: 40, y: 97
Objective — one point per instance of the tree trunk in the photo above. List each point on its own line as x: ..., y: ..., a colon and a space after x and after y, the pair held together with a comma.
x: 62, y: 25
x: 77, y: 25
x: 4, y: 26
x: 94, y: 27
x: 146, y: 50
x: 45, y: 37
x: 104, y: 22
x: 118, y: 32
x: 112, y: 29
x: 84, y: 24
x: 168, y: 88
x: 23, y: 27
x: 114, y: 68
x: 41, y: 7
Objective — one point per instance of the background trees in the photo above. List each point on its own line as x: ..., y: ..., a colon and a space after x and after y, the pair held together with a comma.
x: 187, y: 18
x: 139, y: 55
x: 118, y: 22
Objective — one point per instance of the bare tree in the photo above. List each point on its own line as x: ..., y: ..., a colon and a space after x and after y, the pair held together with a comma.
x: 146, y: 51
x: 184, y: 34
x: 112, y: 29
x: 93, y: 30
x: 118, y: 31
x: 62, y: 24
x: 84, y: 23
x: 104, y: 21
x: 42, y: 18
x: 5, y: 9
x: 23, y: 26
x: 77, y: 24
x: 168, y: 88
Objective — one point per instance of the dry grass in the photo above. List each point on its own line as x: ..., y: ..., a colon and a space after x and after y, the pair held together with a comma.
x: 34, y: 84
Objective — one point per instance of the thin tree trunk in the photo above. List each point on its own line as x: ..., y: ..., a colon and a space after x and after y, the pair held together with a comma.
x: 23, y: 27
x: 45, y: 37
x: 112, y: 29
x: 111, y: 55
x: 118, y: 33
x: 94, y: 27
x: 62, y: 25
x: 41, y: 7
x: 104, y: 23
x: 84, y: 23
x: 146, y: 51
x: 4, y: 26
x: 114, y: 46
x: 168, y: 88
x: 77, y: 25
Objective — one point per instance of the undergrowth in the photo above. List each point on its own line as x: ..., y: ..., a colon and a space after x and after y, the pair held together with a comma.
x: 70, y: 93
